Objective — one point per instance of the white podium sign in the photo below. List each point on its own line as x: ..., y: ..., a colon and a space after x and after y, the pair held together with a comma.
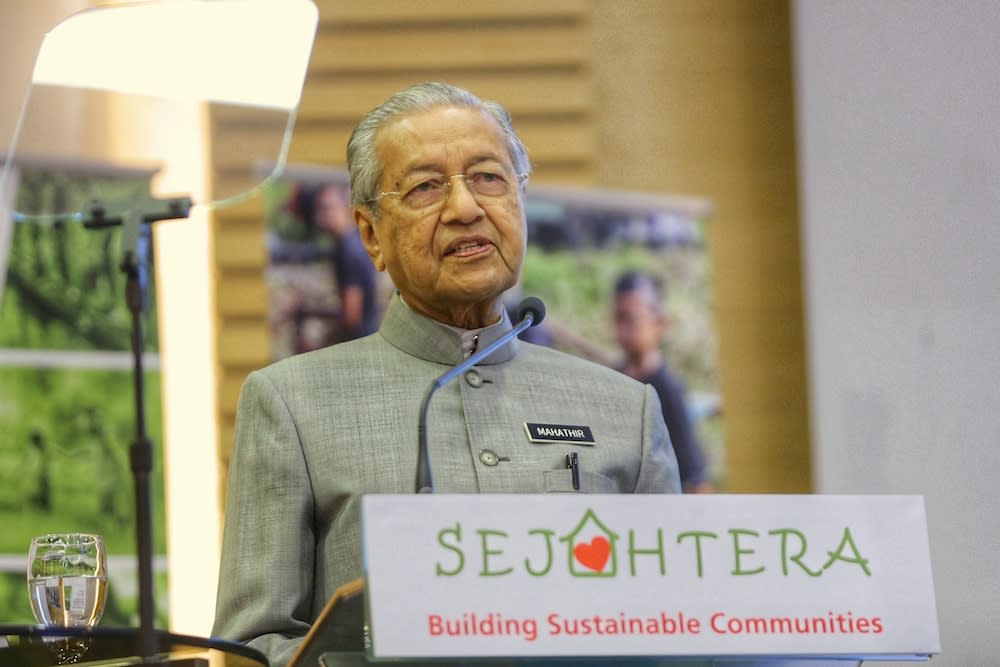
x: 603, y: 575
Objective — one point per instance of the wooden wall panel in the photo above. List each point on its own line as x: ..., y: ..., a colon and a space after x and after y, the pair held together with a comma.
x: 242, y: 250
x: 387, y: 12
x: 523, y: 93
x: 401, y: 48
x: 242, y: 295
x: 229, y: 390
x: 243, y: 343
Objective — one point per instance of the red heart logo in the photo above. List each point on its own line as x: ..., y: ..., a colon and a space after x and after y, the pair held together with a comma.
x: 594, y: 555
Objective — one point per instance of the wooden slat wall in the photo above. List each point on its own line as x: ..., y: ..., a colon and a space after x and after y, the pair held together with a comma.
x: 533, y: 56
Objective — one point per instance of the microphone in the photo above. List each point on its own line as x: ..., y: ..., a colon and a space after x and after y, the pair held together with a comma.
x: 530, y: 312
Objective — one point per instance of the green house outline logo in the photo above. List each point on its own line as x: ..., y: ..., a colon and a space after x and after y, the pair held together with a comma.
x: 575, y: 568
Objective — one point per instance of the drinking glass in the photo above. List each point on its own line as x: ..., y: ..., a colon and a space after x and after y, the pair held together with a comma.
x: 68, y: 579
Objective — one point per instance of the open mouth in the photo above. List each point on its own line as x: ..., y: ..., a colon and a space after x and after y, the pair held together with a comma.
x: 468, y: 248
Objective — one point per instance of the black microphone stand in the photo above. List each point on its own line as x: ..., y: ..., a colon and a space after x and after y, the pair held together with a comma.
x: 135, y: 218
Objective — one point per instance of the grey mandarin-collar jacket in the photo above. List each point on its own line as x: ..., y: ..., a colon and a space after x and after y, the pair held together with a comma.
x: 316, y: 431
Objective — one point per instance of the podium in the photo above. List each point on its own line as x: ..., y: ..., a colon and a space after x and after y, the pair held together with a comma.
x: 40, y: 646
x: 694, y: 581
x: 574, y: 579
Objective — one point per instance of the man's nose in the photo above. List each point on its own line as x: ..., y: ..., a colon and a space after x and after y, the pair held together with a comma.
x: 460, y: 204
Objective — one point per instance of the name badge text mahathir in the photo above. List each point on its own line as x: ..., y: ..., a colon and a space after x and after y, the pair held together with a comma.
x: 559, y: 433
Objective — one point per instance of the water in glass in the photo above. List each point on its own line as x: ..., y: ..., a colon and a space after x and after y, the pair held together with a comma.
x: 67, y: 579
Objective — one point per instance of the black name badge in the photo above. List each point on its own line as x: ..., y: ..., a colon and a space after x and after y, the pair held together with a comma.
x: 559, y: 433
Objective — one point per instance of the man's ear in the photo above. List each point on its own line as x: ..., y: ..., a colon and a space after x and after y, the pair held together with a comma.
x: 366, y: 228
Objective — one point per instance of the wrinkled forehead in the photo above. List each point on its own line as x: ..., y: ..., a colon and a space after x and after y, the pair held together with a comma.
x: 440, y: 139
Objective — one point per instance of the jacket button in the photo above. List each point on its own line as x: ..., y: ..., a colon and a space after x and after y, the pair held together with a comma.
x: 489, y: 457
x: 474, y: 379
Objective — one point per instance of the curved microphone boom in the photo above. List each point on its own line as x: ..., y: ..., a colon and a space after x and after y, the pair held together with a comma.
x: 530, y: 312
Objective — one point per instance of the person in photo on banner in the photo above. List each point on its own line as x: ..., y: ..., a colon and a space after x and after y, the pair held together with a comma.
x: 437, y: 189
x: 641, y: 322
x: 353, y: 273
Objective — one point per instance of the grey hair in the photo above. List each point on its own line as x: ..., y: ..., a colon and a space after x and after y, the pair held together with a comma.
x: 363, y: 164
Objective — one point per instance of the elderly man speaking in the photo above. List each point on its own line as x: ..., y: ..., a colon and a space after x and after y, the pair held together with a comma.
x: 437, y: 189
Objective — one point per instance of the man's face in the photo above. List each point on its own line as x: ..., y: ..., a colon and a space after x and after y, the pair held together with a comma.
x: 639, y: 328
x: 463, y: 253
x: 333, y: 212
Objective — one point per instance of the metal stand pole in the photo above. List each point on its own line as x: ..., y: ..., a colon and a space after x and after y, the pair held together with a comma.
x: 141, y: 458
x: 135, y: 219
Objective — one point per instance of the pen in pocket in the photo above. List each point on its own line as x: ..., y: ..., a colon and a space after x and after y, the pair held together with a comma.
x: 573, y: 463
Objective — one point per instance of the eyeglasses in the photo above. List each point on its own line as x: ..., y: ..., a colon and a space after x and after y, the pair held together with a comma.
x: 435, y: 191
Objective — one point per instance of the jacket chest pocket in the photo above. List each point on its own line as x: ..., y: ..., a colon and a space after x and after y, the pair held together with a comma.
x: 561, y: 481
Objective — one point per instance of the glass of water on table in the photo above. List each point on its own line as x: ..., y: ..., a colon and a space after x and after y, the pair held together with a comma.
x: 68, y: 586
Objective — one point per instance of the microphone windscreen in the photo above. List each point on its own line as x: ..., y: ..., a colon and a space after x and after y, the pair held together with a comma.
x: 535, y: 307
